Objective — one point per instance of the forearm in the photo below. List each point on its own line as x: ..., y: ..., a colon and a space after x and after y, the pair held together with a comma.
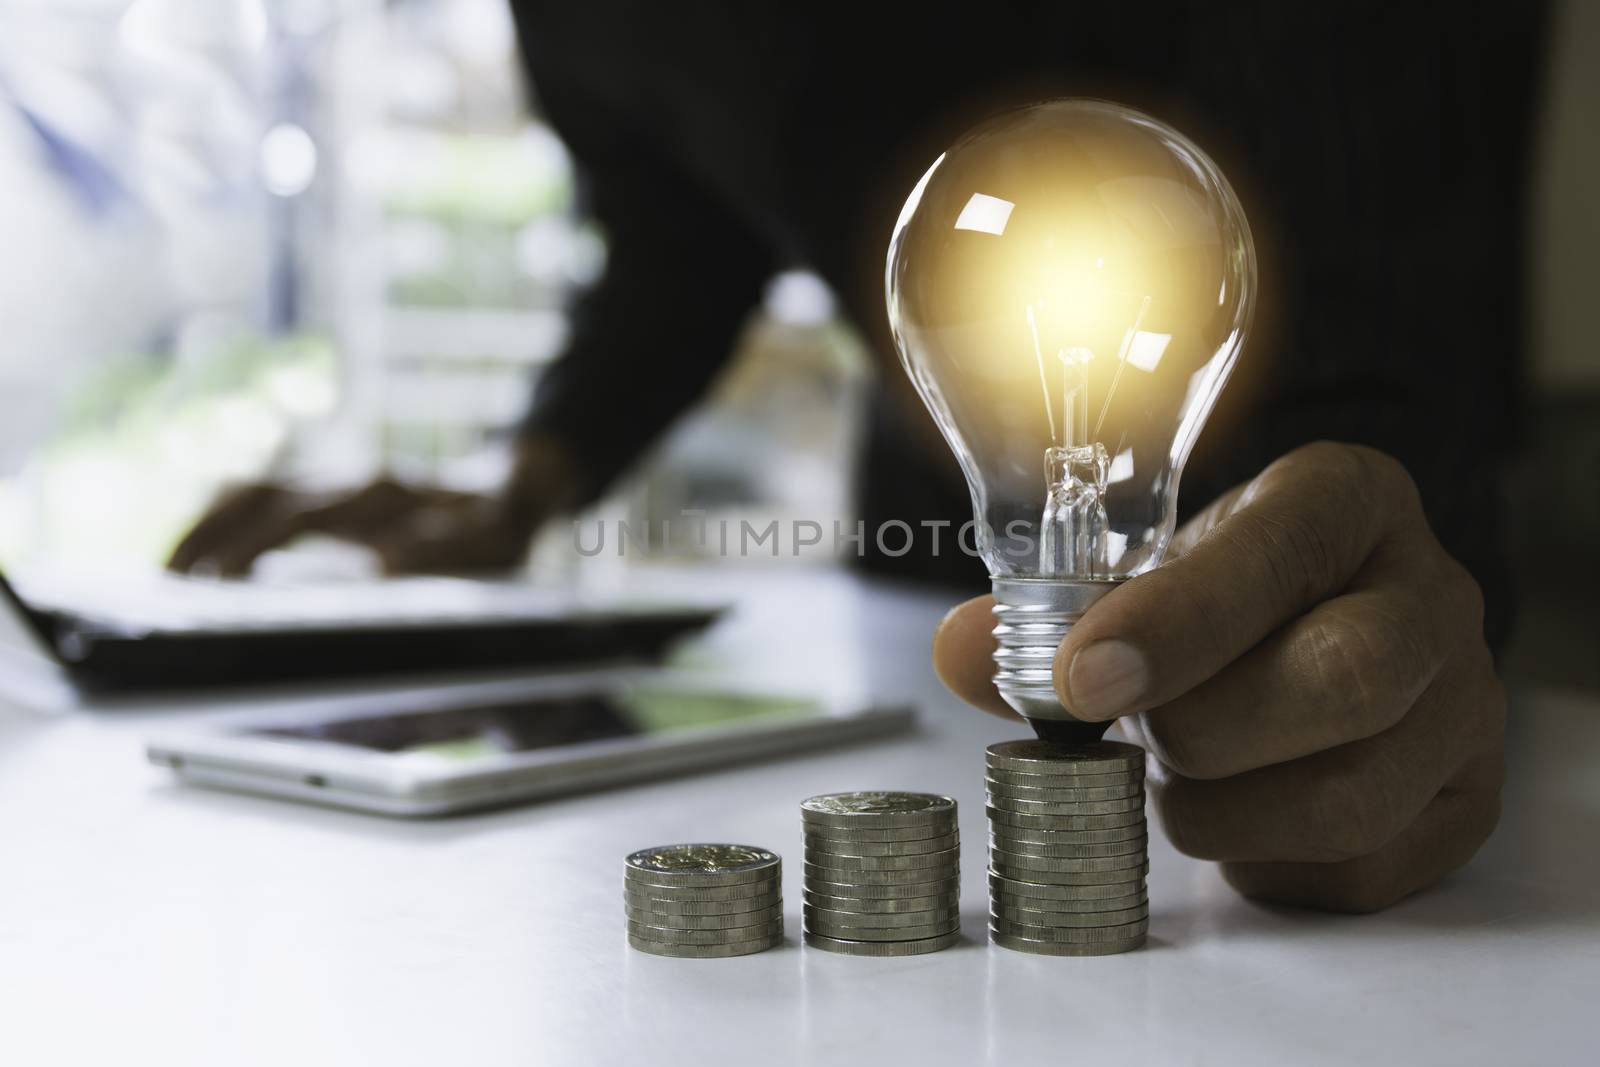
x: 645, y: 347
x: 682, y: 269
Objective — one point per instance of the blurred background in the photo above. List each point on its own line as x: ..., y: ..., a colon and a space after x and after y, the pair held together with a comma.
x: 323, y: 239
x: 319, y: 240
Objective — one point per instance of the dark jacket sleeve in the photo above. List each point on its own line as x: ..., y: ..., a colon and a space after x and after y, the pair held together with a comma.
x: 1387, y: 170
x: 682, y: 271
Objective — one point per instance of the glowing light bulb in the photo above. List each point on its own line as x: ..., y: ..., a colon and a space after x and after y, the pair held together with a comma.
x: 1069, y: 287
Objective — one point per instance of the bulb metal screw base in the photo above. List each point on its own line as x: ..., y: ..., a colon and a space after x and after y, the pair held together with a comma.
x: 1032, y: 616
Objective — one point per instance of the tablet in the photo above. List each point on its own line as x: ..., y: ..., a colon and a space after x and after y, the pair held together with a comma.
x: 423, y: 757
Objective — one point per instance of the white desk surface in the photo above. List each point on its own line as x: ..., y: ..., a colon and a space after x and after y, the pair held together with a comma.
x: 146, y: 923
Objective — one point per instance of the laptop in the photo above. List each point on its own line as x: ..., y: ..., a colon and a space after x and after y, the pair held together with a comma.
x: 172, y: 632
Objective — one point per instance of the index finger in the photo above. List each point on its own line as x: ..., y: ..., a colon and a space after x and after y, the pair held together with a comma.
x: 234, y: 510
x: 1297, y: 534
x: 963, y: 655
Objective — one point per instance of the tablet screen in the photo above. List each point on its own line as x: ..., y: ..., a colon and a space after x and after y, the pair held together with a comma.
x: 472, y: 732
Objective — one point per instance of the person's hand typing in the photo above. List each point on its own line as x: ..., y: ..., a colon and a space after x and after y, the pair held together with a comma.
x: 1310, y: 673
x: 412, y: 530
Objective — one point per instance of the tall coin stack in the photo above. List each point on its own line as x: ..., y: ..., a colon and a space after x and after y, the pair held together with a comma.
x: 1068, y: 850
x: 703, y: 901
x: 883, y: 873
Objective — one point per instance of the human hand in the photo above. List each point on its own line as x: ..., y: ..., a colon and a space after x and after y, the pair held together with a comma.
x: 413, y: 530
x: 1310, y: 673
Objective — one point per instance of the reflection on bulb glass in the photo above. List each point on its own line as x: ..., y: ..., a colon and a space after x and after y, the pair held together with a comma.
x: 1069, y: 287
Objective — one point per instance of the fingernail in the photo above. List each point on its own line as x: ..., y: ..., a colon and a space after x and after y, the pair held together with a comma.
x: 1105, y: 679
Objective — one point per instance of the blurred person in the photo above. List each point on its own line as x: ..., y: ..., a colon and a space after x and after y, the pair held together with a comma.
x: 1312, y: 669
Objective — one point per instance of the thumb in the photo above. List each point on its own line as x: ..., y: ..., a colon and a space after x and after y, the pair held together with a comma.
x: 1102, y: 671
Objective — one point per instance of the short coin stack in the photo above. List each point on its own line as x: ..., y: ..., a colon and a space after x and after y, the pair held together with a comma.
x: 703, y: 901
x: 1068, y: 851
x: 883, y: 873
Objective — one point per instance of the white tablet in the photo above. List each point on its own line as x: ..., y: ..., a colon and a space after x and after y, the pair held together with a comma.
x: 420, y: 756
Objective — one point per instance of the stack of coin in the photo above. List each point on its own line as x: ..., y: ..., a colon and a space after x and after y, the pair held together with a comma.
x: 1068, y: 852
x: 883, y: 873
x: 702, y: 901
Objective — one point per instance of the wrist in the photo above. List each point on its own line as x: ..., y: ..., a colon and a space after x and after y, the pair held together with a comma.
x: 543, y: 481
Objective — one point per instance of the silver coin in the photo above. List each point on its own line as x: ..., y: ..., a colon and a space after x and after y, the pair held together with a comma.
x: 705, y: 952
x: 848, y: 947
x: 1063, y: 823
x: 1046, y: 907
x: 1029, y: 848
x: 900, y: 933
x: 878, y: 809
x: 889, y: 891
x: 1084, y: 865
x: 892, y: 906
x: 1067, y: 794
x: 1024, y: 890
x: 853, y: 835
x: 1065, y: 805
x: 914, y: 877
x: 830, y: 882
x: 702, y: 894
x: 702, y: 865
x: 1132, y: 831
x: 857, y: 876
x: 1036, y: 757
x: 1104, y: 779
x: 1095, y: 891
x: 1069, y: 919
x: 705, y: 937
x: 1064, y: 948
x: 1030, y: 874
x: 1056, y: 794
x: 1026, y: 780
x: 817, y: 918
x: 1026, y: 876
x: 848, y: 913
x: 833, y: 860
x: 1074, y: 934
x: 645, y: 902
x: 816, y: 845
x: 1125, y: 896
x: 867, y: 883
x: 1083, y: 807
x: 645, y: 917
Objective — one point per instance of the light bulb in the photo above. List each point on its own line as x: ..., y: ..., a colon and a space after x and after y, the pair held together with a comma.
x: 1069, y: 287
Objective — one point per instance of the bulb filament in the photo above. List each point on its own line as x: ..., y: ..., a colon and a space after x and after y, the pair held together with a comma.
x: 1073, y: 529
x: 1072, y: 540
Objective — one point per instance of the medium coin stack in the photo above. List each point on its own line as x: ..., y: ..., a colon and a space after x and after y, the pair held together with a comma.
x: 1068, y: 851
x: 883, y: 873
x: 703, y: 901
